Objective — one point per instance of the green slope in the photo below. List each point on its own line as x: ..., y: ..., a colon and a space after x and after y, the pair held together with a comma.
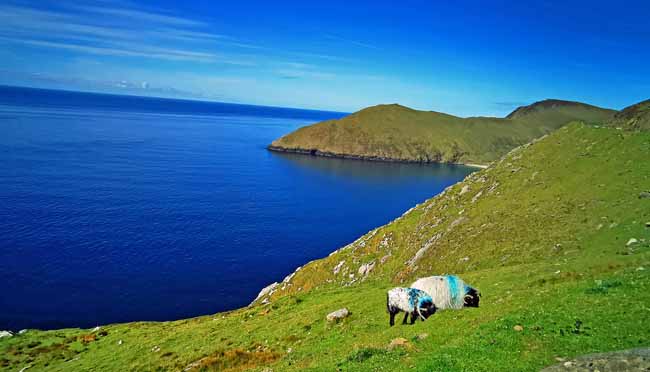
x: 394, y: 132
x: 542, y: 233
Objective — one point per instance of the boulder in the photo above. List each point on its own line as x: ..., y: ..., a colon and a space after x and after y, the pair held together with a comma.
x: 337, y: 315
x: 632, y: 241
x: 4, y: 334
x: 644, y: 195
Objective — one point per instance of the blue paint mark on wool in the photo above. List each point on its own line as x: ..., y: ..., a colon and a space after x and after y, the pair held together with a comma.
x: 453, y: 287
x: 413, y: 294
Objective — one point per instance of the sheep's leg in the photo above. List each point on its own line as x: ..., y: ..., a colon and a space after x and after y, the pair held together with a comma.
x: 414, y: 317
x: 392, y: 318
x: 406, y: 315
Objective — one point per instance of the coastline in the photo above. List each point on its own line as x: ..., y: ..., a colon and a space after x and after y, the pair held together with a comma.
x: 327, y: 154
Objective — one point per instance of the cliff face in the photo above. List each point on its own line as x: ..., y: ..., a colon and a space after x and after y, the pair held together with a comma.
x: 398, y: 133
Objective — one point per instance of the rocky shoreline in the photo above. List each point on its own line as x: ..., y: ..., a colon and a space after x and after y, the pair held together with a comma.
x: 326, y: 154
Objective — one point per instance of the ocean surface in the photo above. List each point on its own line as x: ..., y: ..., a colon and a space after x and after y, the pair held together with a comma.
x: 118, y: 208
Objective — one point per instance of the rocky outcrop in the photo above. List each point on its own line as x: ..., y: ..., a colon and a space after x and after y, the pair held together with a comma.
x: 266, y: 291
x: 627, y: 360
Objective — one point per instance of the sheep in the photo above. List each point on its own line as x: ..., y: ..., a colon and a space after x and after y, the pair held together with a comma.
x: 448, y: 291
x: 411, y: 301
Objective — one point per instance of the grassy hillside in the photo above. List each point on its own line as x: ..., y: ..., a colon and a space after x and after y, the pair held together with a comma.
x: 394, y: 132
x: 543, y: 233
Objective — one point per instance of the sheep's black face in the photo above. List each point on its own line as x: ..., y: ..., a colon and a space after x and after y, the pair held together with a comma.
x: 472, y: 298
x: 427, y: 309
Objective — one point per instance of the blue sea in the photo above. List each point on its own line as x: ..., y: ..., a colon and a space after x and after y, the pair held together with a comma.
x: 121, y: 208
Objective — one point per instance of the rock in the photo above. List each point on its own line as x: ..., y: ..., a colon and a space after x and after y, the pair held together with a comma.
x: 421, y: 336
x: 456, y: 222
x: 338, y: 267
x: 337, y: 315
x: 267, y: 369
x: 155, y: 349
x: 631, y: 242
x: 22, y: 331
x: 518, y: 328
x: 4, y: 334
x: 644, y: 195
x: 367, y: 268
x: 464, y: 190
x: 119, y: 342
x: 95, y: 329
x: 398, y: 342
x: 647, y: 224
x: 477, y: 196
x: 267, y: 290
x: 627, y: 360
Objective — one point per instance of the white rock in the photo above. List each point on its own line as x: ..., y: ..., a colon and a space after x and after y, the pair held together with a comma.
x: 338, y: 315
x: 631, y: 241
x: 95, y: 329
x: 338, y: 267
x: 266, y: 290
x: 367, y: 268
x: 4, y: 334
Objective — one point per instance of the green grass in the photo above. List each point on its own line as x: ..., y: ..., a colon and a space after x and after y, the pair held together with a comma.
x: 544, y: 241
x: 394, y: 132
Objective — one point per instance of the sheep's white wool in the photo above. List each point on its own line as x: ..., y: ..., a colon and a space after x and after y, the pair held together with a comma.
x: 407, y: 300
x: 399, y: 298
x: 447, y: 291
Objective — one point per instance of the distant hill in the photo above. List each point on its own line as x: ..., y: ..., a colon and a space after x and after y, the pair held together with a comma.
x: 397, y: 133
x: 635, y: 117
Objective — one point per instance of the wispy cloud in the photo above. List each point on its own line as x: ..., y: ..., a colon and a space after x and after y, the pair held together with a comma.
x: 350, y: 41
x: 118, y: 31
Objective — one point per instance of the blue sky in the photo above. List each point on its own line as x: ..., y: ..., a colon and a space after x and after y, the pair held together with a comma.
x: 470, y: 58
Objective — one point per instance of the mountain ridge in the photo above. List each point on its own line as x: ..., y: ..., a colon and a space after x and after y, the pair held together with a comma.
x: 392, y: 132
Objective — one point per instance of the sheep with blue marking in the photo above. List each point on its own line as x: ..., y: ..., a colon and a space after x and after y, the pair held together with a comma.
x: 448, y: 291
x: 411, y: 301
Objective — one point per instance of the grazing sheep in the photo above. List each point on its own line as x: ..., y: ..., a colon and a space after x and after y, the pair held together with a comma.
x: 410, y: 301
x: 448, y: 291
